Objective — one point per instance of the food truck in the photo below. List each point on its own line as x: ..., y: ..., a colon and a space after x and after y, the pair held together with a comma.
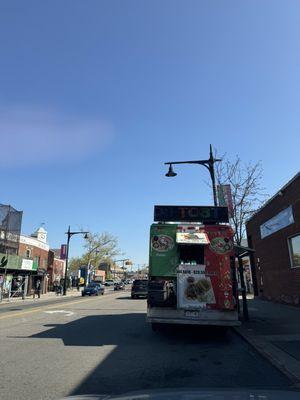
x: 191, y: 267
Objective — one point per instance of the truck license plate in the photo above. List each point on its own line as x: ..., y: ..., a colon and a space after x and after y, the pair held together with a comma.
x: 192, y: 313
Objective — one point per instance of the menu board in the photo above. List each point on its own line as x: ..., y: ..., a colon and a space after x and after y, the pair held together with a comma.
x: 192, y: 238
x: 163, y: 250
x: 194, y: 287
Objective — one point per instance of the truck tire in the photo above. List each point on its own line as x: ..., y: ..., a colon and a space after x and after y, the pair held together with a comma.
x: 222, y: 331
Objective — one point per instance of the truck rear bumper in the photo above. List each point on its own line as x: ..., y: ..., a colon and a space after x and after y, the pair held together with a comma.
x: 162, y: 315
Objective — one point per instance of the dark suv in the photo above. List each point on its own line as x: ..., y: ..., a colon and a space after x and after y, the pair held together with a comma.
x: 139, y: 288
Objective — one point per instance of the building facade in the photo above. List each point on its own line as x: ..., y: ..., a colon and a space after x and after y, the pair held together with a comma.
x: 39, y: 262
x: 56, y: 268
x: 29, y: 258
x: 274, y: 233
x: 35, y: 248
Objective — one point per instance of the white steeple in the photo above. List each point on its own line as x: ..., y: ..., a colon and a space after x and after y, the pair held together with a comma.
x: 40, y: 234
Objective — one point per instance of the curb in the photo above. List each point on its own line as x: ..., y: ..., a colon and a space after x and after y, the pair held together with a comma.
x: 30, y: 299
x: 49, y: 299
x: 272, y: 354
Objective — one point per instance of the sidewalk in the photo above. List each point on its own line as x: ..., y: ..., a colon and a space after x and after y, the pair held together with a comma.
x: 44, y: 297
x: 274, y: 331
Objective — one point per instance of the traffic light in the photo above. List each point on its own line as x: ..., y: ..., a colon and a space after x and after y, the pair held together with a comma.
x: 3, y: 262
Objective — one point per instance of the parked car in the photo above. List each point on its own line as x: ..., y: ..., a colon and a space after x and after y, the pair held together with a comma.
x: 109, y: 282
x: 100, y: 286
x: 92, y: 290
x: 119, y: 286
x: 139, y: 288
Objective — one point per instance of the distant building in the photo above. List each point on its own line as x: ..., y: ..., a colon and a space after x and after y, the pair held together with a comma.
x: 117, y: 272
x: 105, y: 266
x: 112, y: 270
x: 274, y: 233
x: 57, y: 253
x: 98, y: 275
x: 56, y: 268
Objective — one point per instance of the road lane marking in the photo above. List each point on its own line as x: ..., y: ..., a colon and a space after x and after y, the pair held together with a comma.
x: 41, y: 308
x: 67, y: 313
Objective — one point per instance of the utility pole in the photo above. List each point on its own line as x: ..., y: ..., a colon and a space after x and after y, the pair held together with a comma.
x: 243, y: 287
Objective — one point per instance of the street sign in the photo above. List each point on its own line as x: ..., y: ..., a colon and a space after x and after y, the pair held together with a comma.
x: 225, y: 198
x: 204, y: 214
x: 63, y: 251
x: 27, y: 264
x: 3, y: 262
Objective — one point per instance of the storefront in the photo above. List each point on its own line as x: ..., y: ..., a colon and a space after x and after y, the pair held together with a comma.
x: 15, y: 278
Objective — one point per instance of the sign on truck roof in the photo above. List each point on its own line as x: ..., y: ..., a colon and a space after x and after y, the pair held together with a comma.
x: 204, y: 214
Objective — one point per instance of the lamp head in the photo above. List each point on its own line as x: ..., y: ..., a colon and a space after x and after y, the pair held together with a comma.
x: 171, y: 172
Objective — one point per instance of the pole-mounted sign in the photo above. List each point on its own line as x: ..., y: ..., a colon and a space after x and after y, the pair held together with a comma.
x: 3, y: 262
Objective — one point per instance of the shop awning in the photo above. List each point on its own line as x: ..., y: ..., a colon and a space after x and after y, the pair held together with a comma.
x: 192, y: 238
x: 242, y: 251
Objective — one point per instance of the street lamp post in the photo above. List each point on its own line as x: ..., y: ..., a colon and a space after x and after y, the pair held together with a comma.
x: 209, y: 164
x: 69, y: 235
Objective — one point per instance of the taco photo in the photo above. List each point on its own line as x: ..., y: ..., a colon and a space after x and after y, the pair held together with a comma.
x: 197, y: 289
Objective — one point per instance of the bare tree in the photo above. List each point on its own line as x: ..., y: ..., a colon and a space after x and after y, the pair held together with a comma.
x: 99, y: 247
x: 248, y: 194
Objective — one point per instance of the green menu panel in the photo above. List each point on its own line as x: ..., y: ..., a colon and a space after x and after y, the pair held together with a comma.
x: 163, y: 250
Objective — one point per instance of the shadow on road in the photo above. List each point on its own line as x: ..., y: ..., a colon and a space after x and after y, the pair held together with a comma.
x: 119, y: 329
x: 176, y: 357
x: 96, y: 330
x: 125, y: 298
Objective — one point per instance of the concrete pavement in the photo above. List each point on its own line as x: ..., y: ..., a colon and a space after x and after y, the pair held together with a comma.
x: 274, y: 331
x: 103, y: 345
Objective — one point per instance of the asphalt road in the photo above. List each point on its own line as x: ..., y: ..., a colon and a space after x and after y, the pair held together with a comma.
x: 103, y: 345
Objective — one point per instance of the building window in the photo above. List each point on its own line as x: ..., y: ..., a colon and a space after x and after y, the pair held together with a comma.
x: 28, y: 253
x: 37, y: 261
x: 294, y: 246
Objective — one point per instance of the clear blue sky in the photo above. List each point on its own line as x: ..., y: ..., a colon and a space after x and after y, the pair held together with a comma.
x: 96, y: 95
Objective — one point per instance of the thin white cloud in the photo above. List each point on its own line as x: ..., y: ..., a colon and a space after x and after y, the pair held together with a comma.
x: 33, y: 136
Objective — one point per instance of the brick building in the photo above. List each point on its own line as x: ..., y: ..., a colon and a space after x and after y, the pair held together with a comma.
x: 35, y: 248
x: 274, y: 233
x: 46, y: 264
x: 29, y: 258
x: 56, y: 268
